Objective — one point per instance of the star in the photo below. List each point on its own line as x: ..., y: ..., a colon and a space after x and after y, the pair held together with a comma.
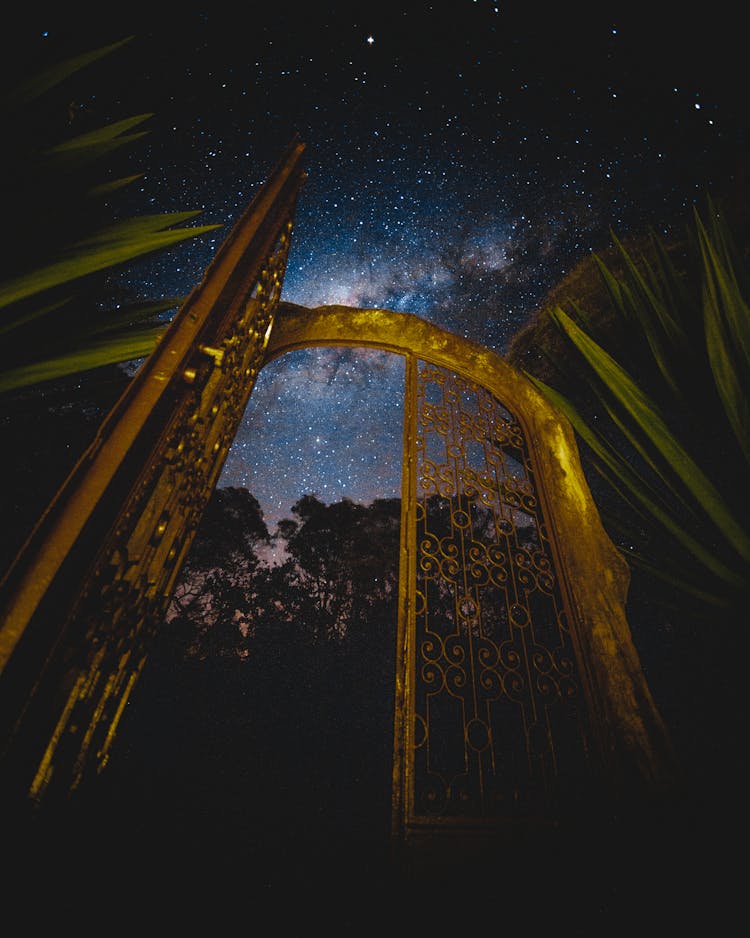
x: 458, y: 178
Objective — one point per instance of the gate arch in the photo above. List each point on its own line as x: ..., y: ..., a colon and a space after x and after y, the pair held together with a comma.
x: 582, y: 661
x: 80, y: 605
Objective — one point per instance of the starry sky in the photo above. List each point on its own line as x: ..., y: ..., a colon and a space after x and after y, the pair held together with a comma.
x: 461, y: 158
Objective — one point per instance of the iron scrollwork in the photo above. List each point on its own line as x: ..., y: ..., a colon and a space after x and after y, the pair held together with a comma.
x: 144, y: 482
x: 499, y: 720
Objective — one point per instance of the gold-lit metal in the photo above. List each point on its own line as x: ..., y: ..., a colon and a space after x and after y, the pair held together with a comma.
x: 516, y: 674
x: 497, y: 708
x: 80, y: 604
x: 512, y: 596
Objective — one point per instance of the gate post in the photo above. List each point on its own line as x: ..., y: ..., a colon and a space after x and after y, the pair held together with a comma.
x: 82, y: 601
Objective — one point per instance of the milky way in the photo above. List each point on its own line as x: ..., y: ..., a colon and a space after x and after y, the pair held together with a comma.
x: 459, y: 163
x: 322, y: 421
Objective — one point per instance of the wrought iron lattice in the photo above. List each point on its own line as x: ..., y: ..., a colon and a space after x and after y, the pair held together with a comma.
x: 81, y: 604
x: 499, y: 719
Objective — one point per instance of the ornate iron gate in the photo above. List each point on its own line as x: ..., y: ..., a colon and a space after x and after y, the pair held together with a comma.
x: 80, y: 604
x: 497, y: 716
x: 511, y: 621
x: 519, y: 692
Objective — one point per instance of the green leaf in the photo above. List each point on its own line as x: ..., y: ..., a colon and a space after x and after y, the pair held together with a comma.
x: 727, y: 326
x: 76, y: 160
x: 613, y: 461
x: 661, y: 331
x: 83, y: 262
x: 35, y: 87
x: 688, y: 587
x: 137, y: 227
x: 124, y: 317
x: 107, y: 188
x: 29, y: 315
x: 134, y: 345
x: 643, y: 415
x: 106, y: 134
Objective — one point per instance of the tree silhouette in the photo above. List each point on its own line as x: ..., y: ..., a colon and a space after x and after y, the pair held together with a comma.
x: 263, y: 720
x: 343, y: 561
x: 221, y: 590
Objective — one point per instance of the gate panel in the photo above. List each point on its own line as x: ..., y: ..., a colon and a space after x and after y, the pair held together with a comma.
x: 497, y: 705
x: 79, y: 607
x: 519, y: 692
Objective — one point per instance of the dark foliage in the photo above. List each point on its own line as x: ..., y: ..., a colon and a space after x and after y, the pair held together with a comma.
x: 262, y: 725
x: 45, y: 430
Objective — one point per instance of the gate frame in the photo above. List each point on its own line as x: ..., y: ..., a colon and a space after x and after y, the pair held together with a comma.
x: 634, y: 751
x: 80, y: 604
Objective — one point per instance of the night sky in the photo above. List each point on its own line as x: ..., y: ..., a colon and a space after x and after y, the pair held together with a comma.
x: 461, y: 158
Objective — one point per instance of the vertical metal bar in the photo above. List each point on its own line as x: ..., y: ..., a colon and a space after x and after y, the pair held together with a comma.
x: 403, y: 758
x: 80, y: 606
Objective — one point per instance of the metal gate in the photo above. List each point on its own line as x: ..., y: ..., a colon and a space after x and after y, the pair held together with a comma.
x: 517, y: 684
x: 519, y: 693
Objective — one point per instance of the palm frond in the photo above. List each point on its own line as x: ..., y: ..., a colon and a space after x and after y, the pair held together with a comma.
x: 111, y: 350
x: 650, y: 428
x: 69, y: 241
x: 94, y: 139
x: 727, y: 325
x: 31, y: 89
x: 92, y: 258
x: 654, y: 406
x: 617, y: 469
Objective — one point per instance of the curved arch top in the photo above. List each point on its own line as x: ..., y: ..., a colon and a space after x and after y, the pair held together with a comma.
x: 633, y: 736
x: 403, y: 333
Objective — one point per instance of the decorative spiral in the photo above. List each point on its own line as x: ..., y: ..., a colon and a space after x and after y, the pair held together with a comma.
x: 480, y: 574
x: 529, y: 503
x: 514, y: 686
x: 448, y: 548
x: 498, y: 575
x: 454, y: 650
x: 526, y: 579
x: 491, y: 683
x: 564, y: 663
x: 496, y: 555
x: 449, y: 569
x: 547, y: 685
x: 478, y: 553
x: 509, y: 657
x: 488, y: 654
x: 542, y: 660
x: 433, y: 677
x: 460, y: 518
x: 455, y: 680
x: 568, y: 688
x: 447, y: 482
x: 431, y: 649
x: 522, y: 558
x: 429, y: 544
x: 488, y: 497
x: 541, y: 561
x: 428, y: 564
x: 546, y: 582
x: 427, y: 485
